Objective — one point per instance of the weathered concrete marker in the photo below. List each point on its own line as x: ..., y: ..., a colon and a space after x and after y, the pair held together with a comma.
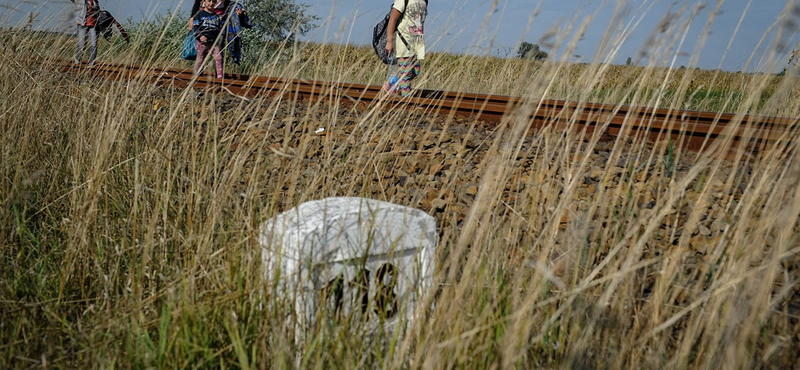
x: 365, y: 259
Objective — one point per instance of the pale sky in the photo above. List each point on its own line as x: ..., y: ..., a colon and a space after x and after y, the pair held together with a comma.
x: 742, y: 34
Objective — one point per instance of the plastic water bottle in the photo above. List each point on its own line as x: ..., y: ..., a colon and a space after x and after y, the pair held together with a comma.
x: 393, y: 70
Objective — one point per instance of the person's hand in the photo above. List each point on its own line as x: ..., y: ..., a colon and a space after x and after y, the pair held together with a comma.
x: 389, y: 46
x: 203, y: 39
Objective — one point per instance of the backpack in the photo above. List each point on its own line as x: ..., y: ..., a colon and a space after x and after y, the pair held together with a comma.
x: 103, y: 25
x: 379, y: 37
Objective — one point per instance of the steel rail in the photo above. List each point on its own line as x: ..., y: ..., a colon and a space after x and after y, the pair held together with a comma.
x: 693, y: 130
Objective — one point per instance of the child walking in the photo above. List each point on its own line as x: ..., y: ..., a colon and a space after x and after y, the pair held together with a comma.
x: 410, y: 49
x: 207, y: 26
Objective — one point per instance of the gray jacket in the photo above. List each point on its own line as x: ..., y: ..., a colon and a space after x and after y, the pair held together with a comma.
x: 81, y: 10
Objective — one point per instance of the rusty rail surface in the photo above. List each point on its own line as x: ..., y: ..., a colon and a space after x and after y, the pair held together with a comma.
x: 693, y: 130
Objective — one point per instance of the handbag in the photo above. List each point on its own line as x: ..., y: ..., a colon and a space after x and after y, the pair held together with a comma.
x: 189, y: 47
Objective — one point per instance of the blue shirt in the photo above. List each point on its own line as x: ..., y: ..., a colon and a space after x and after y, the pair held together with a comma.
x: 206, y: 24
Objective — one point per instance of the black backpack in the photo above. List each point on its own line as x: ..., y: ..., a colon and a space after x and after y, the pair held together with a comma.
x: 104, y: 24
x: 379, y: 36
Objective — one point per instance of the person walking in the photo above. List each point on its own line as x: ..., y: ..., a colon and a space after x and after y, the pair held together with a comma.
x: 207, y: 26
x: 234, y: 19
x: 410, y: 49
x: 86, y: 12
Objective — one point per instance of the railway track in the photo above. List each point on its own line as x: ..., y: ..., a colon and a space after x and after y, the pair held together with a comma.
x: 692, y: 130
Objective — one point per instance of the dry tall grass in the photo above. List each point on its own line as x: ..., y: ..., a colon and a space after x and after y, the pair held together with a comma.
x: 130, y: 217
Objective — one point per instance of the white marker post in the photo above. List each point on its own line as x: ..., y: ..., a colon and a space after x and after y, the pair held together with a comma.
x: 369, y: 261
